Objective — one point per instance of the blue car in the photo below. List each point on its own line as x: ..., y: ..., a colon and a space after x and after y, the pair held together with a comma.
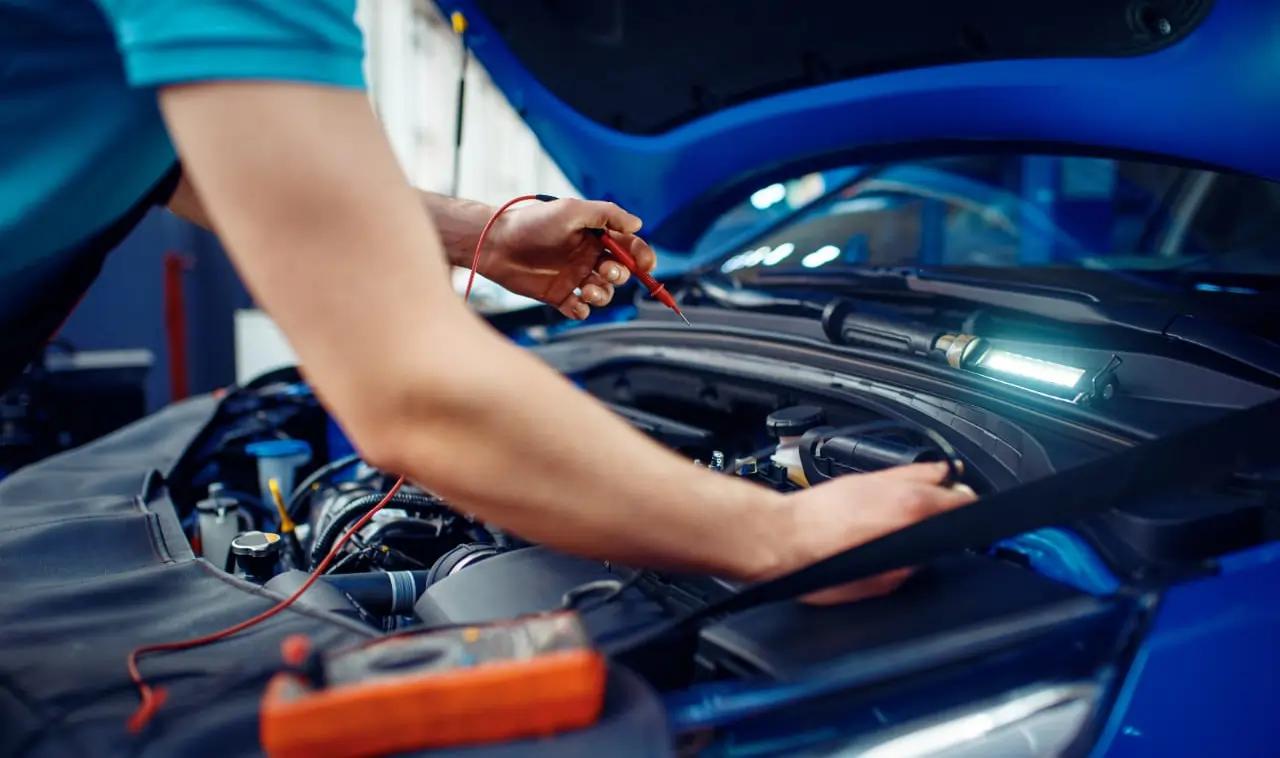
x: 1039, y: 243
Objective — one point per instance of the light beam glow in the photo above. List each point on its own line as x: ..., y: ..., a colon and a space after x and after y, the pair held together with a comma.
x: 1026, y: 367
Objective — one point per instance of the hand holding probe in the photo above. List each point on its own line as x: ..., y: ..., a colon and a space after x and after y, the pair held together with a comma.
x: 657, y: 289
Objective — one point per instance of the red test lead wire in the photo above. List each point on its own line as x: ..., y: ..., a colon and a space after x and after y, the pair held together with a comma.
x: 151, y: 698
x: 475, y: 258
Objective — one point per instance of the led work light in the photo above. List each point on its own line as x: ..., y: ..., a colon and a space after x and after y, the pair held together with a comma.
x: 967, y: 352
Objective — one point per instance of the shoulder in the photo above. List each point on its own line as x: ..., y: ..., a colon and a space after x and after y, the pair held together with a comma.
x: 200, y: 40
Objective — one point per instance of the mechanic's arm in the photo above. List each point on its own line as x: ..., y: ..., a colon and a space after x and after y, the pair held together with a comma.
x: 305, y: 193
x: 458, y: 222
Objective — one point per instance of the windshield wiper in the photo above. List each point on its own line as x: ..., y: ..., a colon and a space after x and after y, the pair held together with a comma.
x: 753, y: 300
x: 1060, y: 304
x: 1056, y: 303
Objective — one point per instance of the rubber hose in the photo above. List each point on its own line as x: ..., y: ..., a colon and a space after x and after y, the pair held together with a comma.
x: 352, y: 510
x: 295, y: 497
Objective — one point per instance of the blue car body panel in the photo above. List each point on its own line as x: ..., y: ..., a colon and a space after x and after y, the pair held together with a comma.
x: 1063, y: 556
x: 1209, y: 98
x: 1206, y: 678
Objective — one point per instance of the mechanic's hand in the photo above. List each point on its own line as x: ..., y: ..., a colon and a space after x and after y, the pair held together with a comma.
x: 851, y: 510
x: 541, y: 250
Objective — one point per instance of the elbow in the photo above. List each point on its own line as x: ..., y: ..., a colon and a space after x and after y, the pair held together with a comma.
x: 405, y: 432
x: 421, y: 406
x: 382, y: 449
x: 383, y: 434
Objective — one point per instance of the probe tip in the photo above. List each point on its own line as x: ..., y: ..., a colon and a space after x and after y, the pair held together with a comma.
x: 682, y: 318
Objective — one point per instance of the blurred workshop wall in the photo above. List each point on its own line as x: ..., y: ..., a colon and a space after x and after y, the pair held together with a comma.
x: 124, y: 309
x: 412, y: 65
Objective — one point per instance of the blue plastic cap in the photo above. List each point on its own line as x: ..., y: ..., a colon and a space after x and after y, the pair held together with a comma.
x: 278, y: 448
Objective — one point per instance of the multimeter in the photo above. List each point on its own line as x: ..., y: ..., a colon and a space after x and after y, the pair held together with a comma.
x: 530, y: 676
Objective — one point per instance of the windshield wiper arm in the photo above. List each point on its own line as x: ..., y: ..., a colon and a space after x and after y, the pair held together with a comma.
x: 745, y: 299
x: 1055, y: 303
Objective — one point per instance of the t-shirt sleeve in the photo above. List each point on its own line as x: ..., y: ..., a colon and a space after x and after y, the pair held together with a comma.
x: 174, y: 41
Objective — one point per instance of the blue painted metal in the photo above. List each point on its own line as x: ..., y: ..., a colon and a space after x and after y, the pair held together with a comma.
x: 1206, y: 680
x: 1210, y: 97
x: 1248, y: 560
x: 713, y: 704
x: 1062, y: 556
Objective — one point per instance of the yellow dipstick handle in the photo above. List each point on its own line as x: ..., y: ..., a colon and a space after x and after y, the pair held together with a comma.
x: 286, y: 523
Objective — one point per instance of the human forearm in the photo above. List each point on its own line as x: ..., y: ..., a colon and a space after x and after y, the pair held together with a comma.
x: 498, y: 443
x: 458, y: 223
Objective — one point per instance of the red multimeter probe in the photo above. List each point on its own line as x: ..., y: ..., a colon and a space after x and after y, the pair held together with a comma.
x: 657, y: 289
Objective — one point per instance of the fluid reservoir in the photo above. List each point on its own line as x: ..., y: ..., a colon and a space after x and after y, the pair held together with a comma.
x: 788, y: 425
x: 219, y: 521
x: 279, y: 460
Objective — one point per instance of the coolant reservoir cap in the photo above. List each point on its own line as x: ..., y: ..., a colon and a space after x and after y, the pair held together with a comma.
x: 216, y: 500
x: 256, y: 544
x: 794, y: 421
x: 278, y: 448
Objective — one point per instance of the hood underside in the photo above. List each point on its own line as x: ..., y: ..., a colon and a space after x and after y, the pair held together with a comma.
x: 676, y: 110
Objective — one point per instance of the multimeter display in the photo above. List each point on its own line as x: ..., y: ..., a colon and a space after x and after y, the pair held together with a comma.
x: 458, y: 648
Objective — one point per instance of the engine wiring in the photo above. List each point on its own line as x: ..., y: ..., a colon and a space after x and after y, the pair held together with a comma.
x: 152, y: 698
x: 592, y: 596
x: 332, y: 467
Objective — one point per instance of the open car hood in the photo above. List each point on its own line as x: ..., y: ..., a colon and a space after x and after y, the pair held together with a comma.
x: 676, y: 110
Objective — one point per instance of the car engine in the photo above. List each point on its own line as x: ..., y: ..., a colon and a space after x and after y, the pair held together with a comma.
x: 421, y: 563
x: 418, y: 541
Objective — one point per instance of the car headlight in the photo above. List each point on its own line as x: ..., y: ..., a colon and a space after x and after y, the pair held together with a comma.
x: 1032, y: 722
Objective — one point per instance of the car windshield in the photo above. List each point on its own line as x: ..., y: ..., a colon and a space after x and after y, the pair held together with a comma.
x: 1008, y: 211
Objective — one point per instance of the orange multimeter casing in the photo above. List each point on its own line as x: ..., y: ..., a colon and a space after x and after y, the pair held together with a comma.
x: 528, y: 677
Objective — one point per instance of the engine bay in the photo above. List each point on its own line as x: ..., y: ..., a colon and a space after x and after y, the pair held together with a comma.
x: 420, y: 563
x: 773, y: 437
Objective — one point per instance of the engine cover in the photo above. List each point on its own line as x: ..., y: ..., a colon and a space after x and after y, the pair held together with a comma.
x: 530, y: 580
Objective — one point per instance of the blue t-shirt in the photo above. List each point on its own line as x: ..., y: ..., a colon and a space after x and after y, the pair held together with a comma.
x: 81, y: 136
